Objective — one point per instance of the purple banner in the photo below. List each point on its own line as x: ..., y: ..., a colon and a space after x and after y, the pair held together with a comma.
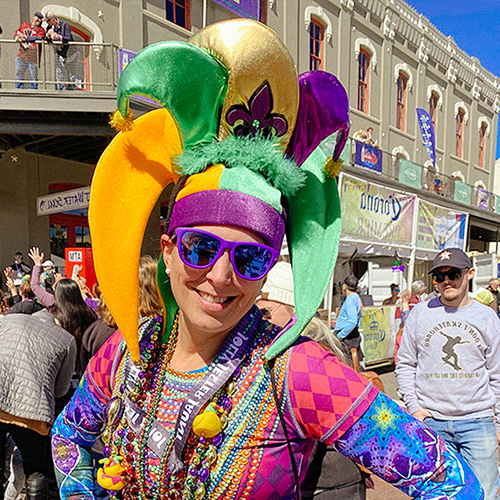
x: 428, y: 135
x: 368, y: 156
x: 244, y: 8
x: 124, y: 57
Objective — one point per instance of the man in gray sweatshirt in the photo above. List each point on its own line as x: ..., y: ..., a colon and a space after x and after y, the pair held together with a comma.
x: 449, y: 368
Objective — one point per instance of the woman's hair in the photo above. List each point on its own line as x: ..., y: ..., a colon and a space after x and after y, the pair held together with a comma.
x: 4, y: 306
x: 149, y: 300
x: 25, y: 290
x: 352, y: 283
x: 417, y: 287
x: 73, y: 314
x: 318, y: 330
x: 102, y: 309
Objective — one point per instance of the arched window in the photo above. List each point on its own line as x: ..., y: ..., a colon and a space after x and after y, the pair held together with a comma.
x: 482, y: 143
x: 363, y: 80
x: 459, y: 132
x: 433, y: 105
x: 316, y: 35
x: 401, y: 101
x: 178, y: 12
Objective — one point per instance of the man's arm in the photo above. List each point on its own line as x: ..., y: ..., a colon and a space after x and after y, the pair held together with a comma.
x: 406, y: 368
x: 493, y: 364
x: 351, y: 321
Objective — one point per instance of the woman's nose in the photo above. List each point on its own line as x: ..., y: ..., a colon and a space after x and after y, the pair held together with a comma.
x: 222, y: 271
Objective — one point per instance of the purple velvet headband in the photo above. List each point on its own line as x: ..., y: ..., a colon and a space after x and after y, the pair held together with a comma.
x: 229, y: 208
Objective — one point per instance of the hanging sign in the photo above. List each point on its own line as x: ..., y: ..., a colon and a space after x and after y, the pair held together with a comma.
x: 64, y: 201
x: 428, y: 135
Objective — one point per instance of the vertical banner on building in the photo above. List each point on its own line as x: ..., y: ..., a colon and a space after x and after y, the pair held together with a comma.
x: 439, y: 228
x: 428, y: 135
x: 368, y: 156
x: 375, y: 213
x: 244, y: 8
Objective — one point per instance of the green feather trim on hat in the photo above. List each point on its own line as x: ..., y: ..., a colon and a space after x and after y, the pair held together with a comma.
x: 256, y: 153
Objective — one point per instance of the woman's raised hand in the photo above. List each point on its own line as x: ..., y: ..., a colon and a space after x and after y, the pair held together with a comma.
x: 36, y: 256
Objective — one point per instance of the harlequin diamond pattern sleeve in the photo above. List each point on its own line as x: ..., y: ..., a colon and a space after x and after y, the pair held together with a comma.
x: 327, y: 397
x: 332, y: 403
x: 81, y: 422
x: 403, y: 451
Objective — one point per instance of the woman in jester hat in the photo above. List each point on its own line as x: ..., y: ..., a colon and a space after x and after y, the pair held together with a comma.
x: 210, y: 401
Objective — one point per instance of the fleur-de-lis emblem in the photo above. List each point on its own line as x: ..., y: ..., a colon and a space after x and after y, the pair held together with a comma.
x: 257, y: 118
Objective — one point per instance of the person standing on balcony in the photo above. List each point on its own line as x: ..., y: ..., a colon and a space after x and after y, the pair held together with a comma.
x: 29, y: 53
x: 60, y: 31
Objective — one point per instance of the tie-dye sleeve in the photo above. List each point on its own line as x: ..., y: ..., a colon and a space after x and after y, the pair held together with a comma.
x: 81, y: 422
x: 403, y: 451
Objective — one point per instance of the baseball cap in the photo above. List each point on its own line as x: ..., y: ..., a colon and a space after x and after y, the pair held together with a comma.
x: 451, y: 257
x: 39, y: 15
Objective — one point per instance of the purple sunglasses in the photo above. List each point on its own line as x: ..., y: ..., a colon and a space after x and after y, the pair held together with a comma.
x: 201, y: 249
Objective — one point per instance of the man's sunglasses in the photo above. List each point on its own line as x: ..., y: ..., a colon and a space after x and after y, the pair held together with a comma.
x: 201, y: 249
x: 452, y: 274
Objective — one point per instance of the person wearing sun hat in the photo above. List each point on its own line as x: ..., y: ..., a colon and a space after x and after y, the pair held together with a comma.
x: 211, y: 401
x: 449, y: 367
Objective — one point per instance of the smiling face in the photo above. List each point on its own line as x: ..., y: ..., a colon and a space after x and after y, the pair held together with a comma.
x: 213, y: 300
x: 454, y: 292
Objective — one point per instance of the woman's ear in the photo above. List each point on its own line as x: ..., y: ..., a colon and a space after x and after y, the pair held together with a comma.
x: 167, y: 247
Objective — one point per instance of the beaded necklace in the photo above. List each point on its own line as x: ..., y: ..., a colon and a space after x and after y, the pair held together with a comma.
x: 207, y: 431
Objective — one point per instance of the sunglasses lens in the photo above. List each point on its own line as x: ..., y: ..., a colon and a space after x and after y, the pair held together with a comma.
x: 452, y: 274
x: 197, y: 249
x: 252, y: 261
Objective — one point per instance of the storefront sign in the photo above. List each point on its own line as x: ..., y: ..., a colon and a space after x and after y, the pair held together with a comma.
x: 64, y: 201
x: 375, y: 213
x: 378, y: 329
x: 244, y: 8
x: 410, y: 173
x: 368, y: 156
x: 439, y: 228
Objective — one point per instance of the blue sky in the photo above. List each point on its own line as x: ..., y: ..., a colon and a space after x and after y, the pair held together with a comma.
x: 473, y: 24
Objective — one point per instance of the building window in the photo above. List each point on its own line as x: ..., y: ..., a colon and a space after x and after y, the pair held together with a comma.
x: 363, y: 80
x: 82, y: 236
x: 482, y: 143
x: 401, y: 106
x: 459, y: 132
x: 178, y: 12
x: 316, y: 34
x: 433, y: 104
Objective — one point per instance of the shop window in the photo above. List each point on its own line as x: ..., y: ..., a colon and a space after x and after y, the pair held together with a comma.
x: 401, y: 102
x: 178, y: 12
x: 433, y: 104
x: 482, y: 143
x: 459, y: 132
x: 363, y: 80
x: 316, y: 35
x: 58, y: 239
x: 82, y: 236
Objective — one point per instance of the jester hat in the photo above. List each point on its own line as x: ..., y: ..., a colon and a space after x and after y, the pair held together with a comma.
x: 238, y: 133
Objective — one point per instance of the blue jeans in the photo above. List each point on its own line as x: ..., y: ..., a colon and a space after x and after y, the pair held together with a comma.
x: 21, y: 65
x: 476, y: 441
x: 64, y: 73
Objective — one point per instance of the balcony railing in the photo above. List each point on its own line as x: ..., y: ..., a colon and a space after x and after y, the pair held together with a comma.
x: 418, y: 176
x: 86, y: 67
